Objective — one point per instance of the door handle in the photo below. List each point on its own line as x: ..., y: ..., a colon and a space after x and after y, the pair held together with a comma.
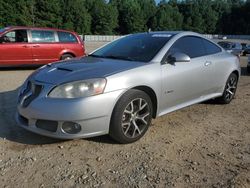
x: 25, y: 46
x: 207, y: 63
x: 36, y: 46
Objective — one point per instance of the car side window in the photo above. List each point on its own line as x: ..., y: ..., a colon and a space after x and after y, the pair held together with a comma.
x: 15, y: 36
x: 43, y: 36
x: 189, y: 45
x: 66, y: 37
x: 210, y: 47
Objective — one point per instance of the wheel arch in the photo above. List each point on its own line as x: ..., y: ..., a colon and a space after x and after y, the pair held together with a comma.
x: 151, y: 93
x: 237, y: 73
x: 65, y: 53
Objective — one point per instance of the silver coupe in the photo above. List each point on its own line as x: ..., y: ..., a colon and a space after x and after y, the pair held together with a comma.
x: 120, y: 87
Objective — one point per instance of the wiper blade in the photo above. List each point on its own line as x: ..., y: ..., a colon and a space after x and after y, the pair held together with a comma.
x: 119, y: 57
x: 112, y: 57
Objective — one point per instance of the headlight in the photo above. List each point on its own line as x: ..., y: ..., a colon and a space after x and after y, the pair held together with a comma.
x: 79, y: 89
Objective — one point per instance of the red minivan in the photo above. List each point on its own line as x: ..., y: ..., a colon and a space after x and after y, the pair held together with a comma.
x: 37, y: 46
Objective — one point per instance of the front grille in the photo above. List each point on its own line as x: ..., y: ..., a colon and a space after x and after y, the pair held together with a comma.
x: 31, y: 92
x: 47, y: 125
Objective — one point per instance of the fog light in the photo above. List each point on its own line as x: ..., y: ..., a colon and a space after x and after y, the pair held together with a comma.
x: 71, y: 127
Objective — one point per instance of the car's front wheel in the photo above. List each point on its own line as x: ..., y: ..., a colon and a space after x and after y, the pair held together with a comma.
x: 230, y: 89
x: 131, y: 117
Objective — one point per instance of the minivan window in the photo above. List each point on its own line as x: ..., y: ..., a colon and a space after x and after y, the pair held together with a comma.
x: 210, y: 47
x: 66, y: 37
x: 15, y: 36
x: 192, y: 46
x: 43, y: 36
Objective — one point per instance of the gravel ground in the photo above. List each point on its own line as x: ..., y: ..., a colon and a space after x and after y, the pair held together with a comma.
x: 205, y: 145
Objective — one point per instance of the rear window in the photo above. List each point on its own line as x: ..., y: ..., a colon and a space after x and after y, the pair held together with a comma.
x: 66, y: 37
x: 43, y: 36
x: 210, y: 47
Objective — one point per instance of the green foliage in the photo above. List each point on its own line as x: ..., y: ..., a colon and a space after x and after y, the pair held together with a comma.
x: 129, y: 16
x: 104, y: 17
x: 167, y: 17
x: 75, y: 16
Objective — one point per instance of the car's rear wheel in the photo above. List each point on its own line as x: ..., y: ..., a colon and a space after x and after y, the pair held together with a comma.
x: 230, y: 89
x: 67, y: 57
x: 131, y: 117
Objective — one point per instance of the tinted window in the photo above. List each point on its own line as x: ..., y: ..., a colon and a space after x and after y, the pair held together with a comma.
x: 138, y: 47
x: 15, y: 36
x: 210, y: 47
x: 42, y: 36
x: 66, y: 37
x: 192, y: 46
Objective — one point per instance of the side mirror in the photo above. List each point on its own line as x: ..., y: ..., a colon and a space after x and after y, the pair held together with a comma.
x: 178, y: 57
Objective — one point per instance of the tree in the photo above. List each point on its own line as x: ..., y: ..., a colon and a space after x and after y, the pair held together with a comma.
x: 104, y: 17
x: 193, y: 20
x: 76, y: 17
x: 167, y: 18
x: 7, y: 13
x: 48, y: 13
x: 131, y: 17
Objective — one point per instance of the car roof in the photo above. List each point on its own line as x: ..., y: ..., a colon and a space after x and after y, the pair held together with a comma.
x: 171, y: 32
x: 38, y: 28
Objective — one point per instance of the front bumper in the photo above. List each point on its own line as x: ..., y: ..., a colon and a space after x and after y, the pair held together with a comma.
x: 93, y: 114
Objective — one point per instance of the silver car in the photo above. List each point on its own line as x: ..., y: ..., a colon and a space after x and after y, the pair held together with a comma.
x: 120, y: 87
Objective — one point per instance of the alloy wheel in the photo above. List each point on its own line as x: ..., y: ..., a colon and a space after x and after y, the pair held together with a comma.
x: 135, y: 118
x: 231, y: 88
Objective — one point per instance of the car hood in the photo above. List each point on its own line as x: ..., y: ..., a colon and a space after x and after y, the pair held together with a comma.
x: 82, y: 69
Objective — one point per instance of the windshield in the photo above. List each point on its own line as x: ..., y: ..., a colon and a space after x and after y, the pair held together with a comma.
x: 138, y: 47
x: 225, y: 45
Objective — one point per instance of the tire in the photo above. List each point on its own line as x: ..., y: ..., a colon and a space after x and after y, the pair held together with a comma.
x: 244, y: 53
x: 230, y: 89
x: 67, y: 57
x: 131, y: 117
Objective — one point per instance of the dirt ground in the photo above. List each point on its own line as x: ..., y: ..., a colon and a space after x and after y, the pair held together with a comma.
x: 205, y: 145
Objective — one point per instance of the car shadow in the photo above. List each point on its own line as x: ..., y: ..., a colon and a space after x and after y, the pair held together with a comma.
x: 105, y: 139
x: 33, y: 67
x: 9, y: 130
x: 244, y: 71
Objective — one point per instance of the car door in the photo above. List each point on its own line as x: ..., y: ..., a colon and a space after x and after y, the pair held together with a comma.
x: 14, y: 48
x: 217, y: 65
x: 186, y: 82
x: 45, y: 48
